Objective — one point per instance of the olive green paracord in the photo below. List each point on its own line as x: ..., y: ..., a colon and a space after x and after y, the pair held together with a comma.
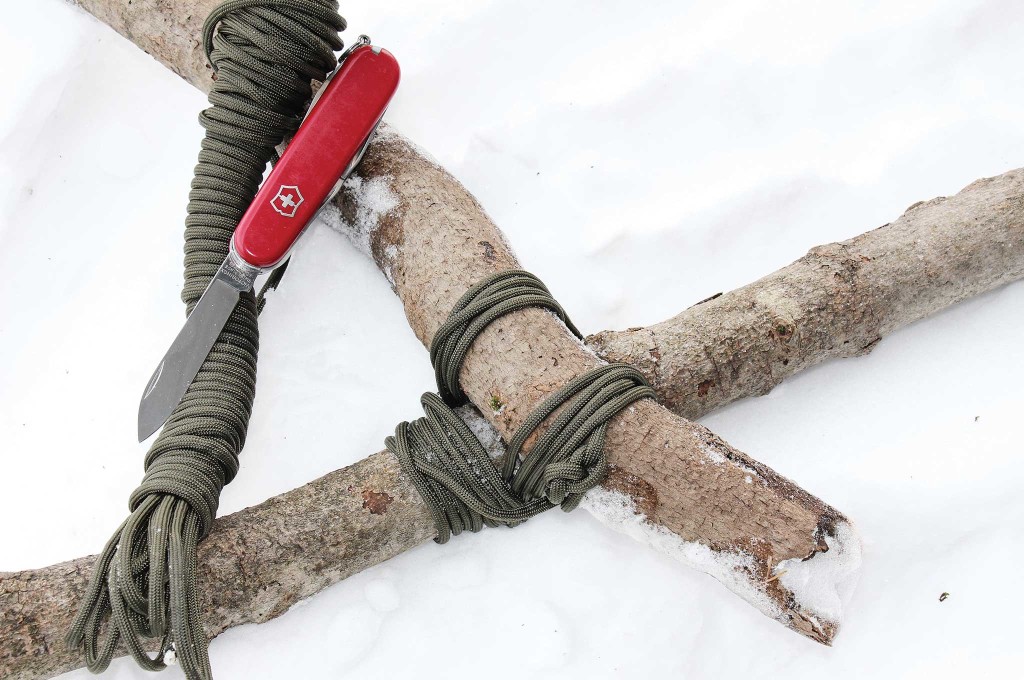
x: 448, y: 465
x: 264, y: 53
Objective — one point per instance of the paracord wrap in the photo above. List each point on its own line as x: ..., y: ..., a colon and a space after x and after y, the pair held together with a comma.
x: 495, y: 296
x: 264, y: 53
x: 448, y: 465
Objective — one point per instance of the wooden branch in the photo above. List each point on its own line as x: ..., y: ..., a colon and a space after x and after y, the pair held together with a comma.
x: 253, y: 566
x: 837, y: 301
x: 674, y: 483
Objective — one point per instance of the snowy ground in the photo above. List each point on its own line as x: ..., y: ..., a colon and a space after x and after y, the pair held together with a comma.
x: 640, y: 156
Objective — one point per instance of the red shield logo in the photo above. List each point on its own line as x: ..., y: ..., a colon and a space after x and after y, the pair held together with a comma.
x: 287, y: 200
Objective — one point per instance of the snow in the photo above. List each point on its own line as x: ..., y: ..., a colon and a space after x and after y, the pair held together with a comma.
x: 482, y: 430
x: 825, y: 584
x: 372, y: 200
x: 617, y: 510
x: 640, y: 157
x: 713, y: 454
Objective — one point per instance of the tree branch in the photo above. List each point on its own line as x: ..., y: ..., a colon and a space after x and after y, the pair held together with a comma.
x: 837, y: 301
x: 253, y: 566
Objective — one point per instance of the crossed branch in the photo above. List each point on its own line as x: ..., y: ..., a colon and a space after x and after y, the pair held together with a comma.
x: 670, y: 476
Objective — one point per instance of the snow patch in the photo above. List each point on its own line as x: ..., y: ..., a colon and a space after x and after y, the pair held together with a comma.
x: 824, y: 585
x: 372, y: 199
x: 386, y: 132
x: 821, y: 586
x: 713, y: 454
x: 618, y: 511
x: 482, y: 430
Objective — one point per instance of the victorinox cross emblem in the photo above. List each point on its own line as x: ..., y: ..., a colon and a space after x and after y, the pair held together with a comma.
x: 287, y: 200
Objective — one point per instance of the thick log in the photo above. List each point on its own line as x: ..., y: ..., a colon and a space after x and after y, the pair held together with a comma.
x: 837, y: 301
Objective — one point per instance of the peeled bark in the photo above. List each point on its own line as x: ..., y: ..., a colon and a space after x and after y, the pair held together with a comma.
x: 837, y: 301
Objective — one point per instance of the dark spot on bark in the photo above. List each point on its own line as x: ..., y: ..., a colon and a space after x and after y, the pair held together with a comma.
x: 704, y: 387
x: 707, y: 299
x: 488, y: 250
x: 655, y: 353
x: 870, y: 346
x: 376, y: 503
x: 783, y: 331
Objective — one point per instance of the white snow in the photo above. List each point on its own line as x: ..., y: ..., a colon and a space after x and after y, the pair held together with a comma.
x: 640, y: 157
x: 617, y: 510
x: 825, y: 583
x: 482, y: 430
x: 714, y: 455
x: 372, y: 200
x: 822, y: 585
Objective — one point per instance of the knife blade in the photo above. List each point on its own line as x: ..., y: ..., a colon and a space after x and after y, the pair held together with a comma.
x: 324, y: 150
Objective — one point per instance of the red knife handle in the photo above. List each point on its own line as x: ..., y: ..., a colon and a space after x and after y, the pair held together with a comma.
x: 333, y: 132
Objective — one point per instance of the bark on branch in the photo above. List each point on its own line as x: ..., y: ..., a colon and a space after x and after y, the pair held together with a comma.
x: 253, y: 566
x: 837, y: 301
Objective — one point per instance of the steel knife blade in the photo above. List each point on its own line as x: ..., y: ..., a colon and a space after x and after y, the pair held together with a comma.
x: 324, y: 150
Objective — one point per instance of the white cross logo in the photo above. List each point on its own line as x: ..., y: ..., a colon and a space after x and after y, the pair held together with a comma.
x: 287, y: 200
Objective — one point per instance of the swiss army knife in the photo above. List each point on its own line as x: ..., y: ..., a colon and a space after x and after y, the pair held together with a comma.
x: 328, y: 145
